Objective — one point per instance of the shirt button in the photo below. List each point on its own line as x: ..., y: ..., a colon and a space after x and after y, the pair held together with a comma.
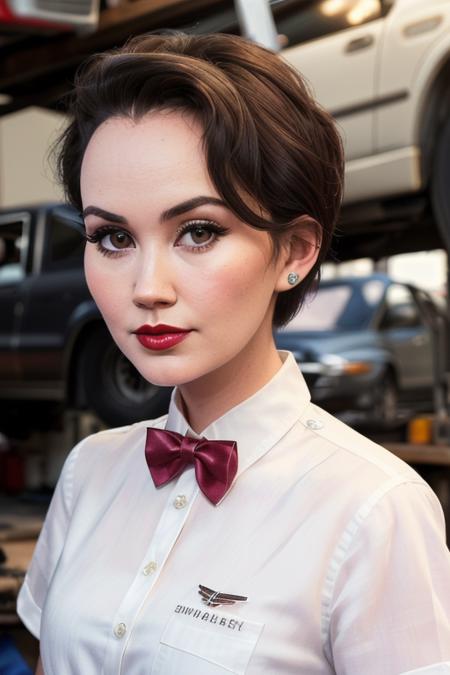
x: 180, y: 501
x: 314, y: 424
x: 150, y: 568
x: 120, y: 630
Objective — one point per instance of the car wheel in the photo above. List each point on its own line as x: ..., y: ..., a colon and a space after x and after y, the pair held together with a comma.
x: 385, y: 405
x: 440, y: 195
x: 113, y: 388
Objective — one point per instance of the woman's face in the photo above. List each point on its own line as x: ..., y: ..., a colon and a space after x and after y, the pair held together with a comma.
x: 169, y: 253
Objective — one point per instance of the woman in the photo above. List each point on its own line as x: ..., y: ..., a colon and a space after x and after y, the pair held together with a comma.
x: 248, y: 531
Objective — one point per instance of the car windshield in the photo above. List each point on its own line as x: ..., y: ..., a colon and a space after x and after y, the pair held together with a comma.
x: 339, y: 306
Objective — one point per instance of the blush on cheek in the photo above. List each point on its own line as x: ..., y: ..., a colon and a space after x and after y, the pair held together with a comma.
x: 235, y: 278
x: 104, y: 294
x: 99, y: 283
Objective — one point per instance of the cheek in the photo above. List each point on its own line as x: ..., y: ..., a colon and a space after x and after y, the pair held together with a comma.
x: 244, y: 286
x: 105, y: 288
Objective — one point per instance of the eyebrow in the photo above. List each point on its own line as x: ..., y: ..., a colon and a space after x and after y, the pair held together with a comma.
x: 173, y: 212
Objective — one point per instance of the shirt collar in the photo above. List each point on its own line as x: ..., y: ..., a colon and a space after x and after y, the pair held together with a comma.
x: 260, y: 421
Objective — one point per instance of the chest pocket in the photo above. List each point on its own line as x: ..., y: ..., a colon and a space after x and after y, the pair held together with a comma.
x: 206, y: 643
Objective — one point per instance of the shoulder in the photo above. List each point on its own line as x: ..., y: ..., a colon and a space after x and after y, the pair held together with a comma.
x: 353, y: 451
x: 358, y: 474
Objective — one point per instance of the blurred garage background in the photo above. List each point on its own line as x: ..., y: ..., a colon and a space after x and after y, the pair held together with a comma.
x: 372, y: 341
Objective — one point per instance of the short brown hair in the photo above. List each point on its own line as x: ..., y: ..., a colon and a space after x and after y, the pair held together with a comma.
x: 264, y: 135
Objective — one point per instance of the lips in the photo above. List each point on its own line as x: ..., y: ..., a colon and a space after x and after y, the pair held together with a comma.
x: 159, y: 329
x: 160, y: 337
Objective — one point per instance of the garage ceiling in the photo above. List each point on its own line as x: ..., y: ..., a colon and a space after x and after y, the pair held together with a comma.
x: 38, y: 70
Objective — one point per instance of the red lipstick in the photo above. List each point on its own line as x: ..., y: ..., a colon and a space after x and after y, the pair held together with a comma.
x: 160, y: 337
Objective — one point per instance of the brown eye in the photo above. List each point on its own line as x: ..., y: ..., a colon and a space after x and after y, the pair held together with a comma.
x: 111, y: 241
x: 200, y: 235
x: 119, y: 240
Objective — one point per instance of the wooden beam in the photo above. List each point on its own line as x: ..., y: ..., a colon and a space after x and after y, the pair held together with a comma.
x: 421, y: 454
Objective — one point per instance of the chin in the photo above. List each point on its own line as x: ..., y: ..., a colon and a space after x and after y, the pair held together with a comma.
x: 166, y: 371
x: 173, y: 368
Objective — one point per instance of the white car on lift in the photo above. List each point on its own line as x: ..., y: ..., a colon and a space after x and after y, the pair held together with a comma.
x: 382, y: 68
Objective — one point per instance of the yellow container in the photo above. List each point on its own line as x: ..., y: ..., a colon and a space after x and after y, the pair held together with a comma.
x: 420, y: 430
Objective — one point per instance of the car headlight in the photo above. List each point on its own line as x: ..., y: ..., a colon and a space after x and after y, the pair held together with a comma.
x: 333, y: 364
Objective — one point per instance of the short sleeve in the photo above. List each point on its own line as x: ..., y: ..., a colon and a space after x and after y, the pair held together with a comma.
x: 389, y: 608
x: 48, y: 548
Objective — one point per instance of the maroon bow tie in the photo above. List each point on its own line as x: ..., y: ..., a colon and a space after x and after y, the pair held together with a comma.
x: 168, y: 454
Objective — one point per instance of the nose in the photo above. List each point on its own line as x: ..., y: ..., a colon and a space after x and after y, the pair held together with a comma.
x: 154, y: 284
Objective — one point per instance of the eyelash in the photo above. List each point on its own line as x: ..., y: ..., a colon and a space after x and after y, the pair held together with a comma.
x: 190, y: 226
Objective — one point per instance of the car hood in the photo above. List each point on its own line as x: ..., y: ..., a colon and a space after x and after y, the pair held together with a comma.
x: 311, y: 345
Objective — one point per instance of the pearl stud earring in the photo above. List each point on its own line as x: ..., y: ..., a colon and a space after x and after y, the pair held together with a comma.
x: 293, y: 278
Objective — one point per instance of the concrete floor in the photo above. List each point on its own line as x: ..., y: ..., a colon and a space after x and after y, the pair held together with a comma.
x: 21, y: 516
x: 20, y: 523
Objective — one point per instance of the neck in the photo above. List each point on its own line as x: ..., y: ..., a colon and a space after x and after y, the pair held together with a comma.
x: 209, y: 398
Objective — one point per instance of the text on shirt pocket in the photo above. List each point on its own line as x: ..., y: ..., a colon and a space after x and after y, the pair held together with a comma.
x: 205, y: 642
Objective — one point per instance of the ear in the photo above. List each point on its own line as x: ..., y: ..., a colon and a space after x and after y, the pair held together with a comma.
x: 299, y: 252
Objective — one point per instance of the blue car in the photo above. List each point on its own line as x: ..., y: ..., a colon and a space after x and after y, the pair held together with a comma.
x: 368, y: 345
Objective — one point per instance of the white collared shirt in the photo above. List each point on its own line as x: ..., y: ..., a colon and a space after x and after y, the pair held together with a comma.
x: 338, y: 545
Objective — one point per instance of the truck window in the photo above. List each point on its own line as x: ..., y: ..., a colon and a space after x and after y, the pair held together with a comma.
x: 64, y: 248
x: 401, y: 310
x: 13, y: 248
x: 297, y: 21
x: 304, y: 20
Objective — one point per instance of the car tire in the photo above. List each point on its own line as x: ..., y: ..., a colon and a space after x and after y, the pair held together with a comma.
x: 385, y: 401
x: 440, y: 180
x: 113, y: 388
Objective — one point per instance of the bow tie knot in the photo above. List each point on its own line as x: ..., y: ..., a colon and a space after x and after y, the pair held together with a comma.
x: 188, y: 447
x: 168, y: 454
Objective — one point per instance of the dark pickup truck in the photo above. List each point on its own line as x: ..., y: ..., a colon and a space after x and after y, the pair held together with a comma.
x: 55, y: 351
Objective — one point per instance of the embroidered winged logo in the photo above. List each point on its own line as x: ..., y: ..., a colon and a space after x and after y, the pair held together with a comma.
x: 215, y: 598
